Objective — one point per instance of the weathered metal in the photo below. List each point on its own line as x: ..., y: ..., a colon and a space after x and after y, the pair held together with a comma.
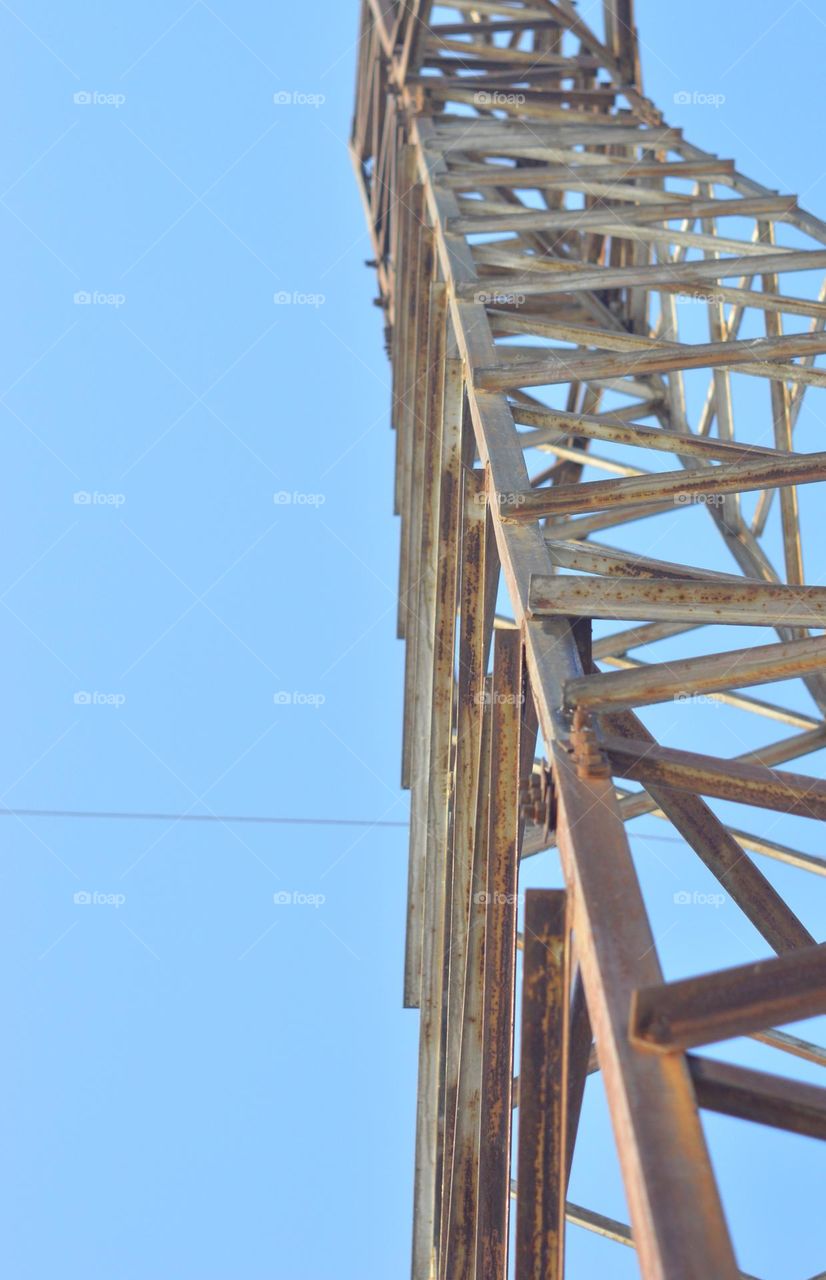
x: 726, y: 779
x: 758, y: 604
x: 520, y: 189
x: 500, y: 959
x: 458, y: 1252
x: 731, y: 1002
x: 684, y: 677
x: 675, y: 486
x: 756, y: 1095
x: 542, y: 1155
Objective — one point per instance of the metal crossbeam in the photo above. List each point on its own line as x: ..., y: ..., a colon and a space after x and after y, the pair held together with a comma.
x: 731, y: 1002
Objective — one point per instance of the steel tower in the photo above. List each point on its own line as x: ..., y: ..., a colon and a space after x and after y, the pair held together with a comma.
x: 539, y: 232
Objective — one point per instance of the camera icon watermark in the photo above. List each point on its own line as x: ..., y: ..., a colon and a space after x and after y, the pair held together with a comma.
x: 696, y: 98
x: 294, y: 498
x: 500, y: 499
x: 500, y: 299
x: 704, y: 299
x: 498, y: 99
x: 295, y: 298
x: 94, y: 98
x: 295, y: 898
x: 88, y: 898
x: 85, y: 498
x: 284, y: 698
x: 96, y: 298
x: 698, y: 499
x: 85, y: 698
x: 298, y: 98
x: 684, y: 898
x: 492, y: 697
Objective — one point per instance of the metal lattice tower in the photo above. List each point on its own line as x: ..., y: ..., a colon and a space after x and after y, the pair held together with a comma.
x: 535, y: 222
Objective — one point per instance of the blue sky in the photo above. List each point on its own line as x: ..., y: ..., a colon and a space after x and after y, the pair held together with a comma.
x: 202, y: 1083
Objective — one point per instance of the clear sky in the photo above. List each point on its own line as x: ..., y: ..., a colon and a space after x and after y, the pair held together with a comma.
x: 201, y: 1082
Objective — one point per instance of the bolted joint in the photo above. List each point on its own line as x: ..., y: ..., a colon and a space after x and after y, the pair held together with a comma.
x: 590, y: 761
x: 537, y: 799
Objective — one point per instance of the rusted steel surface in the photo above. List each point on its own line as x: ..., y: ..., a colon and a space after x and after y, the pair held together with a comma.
x: 793, y: 1045
x: 463, y: 947
x: 652, y: 1111
x: 458, y: 1235
x: 756, y: 1095
x: 738, y: 669
x: 596, y: 558
x: 550, y: 369
x: 726, y: 779
x: 730, y: 1002
x: 580, y: 1049
x: 757, y: 604
x: 721, y: 852
x: 435, y: 782
x: 673, y: 486
x: 534, y: 218
x: 541, y: 1163
x: 500, y: 960
x: 589, y: 758
x: 419, y: 601
x: 586, y: 278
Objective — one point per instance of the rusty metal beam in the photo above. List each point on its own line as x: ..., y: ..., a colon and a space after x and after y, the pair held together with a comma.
x: 735, y: 780
x: 730, y: 1002
x: 652, y: 1111
x: 678, y: 487
x: 682, y: 677
x: 756, y: 1095
x: 465, y: 931
x: 757, y: 604
x: 580, y: 1048
x: 500, y: 960
x: 458, y: 1238
x: 722, y: 854
x: 541, y: 1164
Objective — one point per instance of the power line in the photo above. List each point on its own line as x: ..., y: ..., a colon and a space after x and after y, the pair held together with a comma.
x: 236, y: 817
x: 200, y: 817
x: 649, y: 835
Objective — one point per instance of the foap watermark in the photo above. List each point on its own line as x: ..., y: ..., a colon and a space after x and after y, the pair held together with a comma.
x: 295, y: 498
x: 500, y: 499
x: 491, y: 697
x: 499, y: 99
x: 698, y: 499
x: 698, y: 98
x: 684, y: 898
x: 94, y: 698
x: 294, y: 298
x: 506, y: 299
x: 94, y: 98
x: 90, y: 898
x: 284, y: 698
x: 705, y: 299
x: 93, y: 498
x: 498, y: 899
x: 298, y: 98
x: 696, y: 697
x: 96, y: 298
x: 296, y: 898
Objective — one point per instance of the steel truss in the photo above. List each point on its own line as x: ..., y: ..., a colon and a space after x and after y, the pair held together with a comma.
x: 534, y: 222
